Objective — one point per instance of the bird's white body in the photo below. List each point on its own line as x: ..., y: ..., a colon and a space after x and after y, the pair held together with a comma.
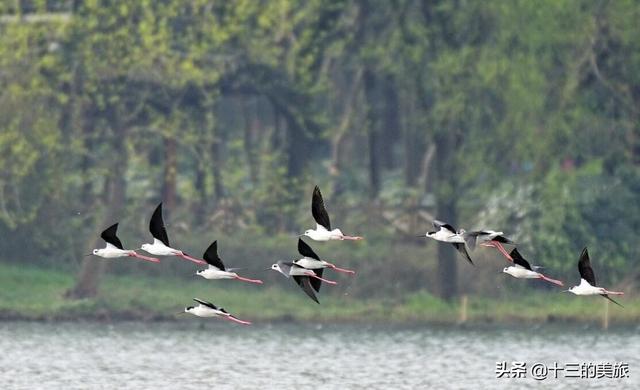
x: 215, y: 273
x: 158, y: 248
x: 521, y: 272
x: 322, y: 234
x: 204, y: 311
x: 309, y: 263
x: 446, y: 236
x: 584, y: 288
x: 111, y: 252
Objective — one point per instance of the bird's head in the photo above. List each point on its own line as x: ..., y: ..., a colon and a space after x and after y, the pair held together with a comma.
x: 189, y: 309
x: 95, y: 251
x: 506, y: 270
x: 145, y: 247
x: 308, y: 232
x: 199, y: 272
x: 276, y: 267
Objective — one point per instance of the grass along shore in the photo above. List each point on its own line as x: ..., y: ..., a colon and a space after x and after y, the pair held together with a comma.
x: 29, y: 293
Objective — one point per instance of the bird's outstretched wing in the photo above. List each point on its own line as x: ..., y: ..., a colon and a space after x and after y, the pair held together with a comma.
x: 518, y: 259
x: 460, y: 247
x: 205, y: 303
x: 156, y: 226
x: 441, y: 225
x: 316, y: 283
x: 109, y: 235
x: 285, y: 267
x: 305, y: 250
x: 318, y: 210
x: 584, y: 267
x: 305, y: 285
x: 611, y: 299
x: 212, y: 258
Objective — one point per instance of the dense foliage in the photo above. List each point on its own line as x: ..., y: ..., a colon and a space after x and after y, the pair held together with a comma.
x: 514, y: 115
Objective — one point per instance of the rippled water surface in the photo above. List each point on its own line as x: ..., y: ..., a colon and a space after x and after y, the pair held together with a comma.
x: 201, y: 354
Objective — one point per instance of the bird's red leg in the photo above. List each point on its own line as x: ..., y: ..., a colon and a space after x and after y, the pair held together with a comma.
x: 313, y: 275
x: 187, y: 257
x: 352, y: 238
x: 234, y: 319
x: 499, y: 247
x: 344, y: 270
x: 554, y: 281
x: 256, y: 281
x: 141, y: 257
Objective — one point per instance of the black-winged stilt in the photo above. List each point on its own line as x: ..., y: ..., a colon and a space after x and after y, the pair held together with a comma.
x: 323, y: 230
x: 114, y: 247
x: 160, y: 246
x: 312, y: 261
x: 489, y: 238
x: 208, y: 309
x: 447, y: 233
x: 308, y: 280
x: 217, y: 270
x: 588, y: 284
x: 523, y: 270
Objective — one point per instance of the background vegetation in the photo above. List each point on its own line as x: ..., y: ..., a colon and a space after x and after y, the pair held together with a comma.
x: 518, y: 116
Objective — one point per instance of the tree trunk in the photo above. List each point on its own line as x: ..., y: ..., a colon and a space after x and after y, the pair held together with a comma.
x: 92, y: 268
x: 373, y: 135
x: 447, y: 261
x: 170, y: 172
x: 446, y: 195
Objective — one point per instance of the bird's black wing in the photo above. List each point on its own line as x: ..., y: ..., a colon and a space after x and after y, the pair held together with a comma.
x: 461, y: 248
x: 109, y: 235
x: 317, y: 209
x: 503, y: 240
x: 518, y: 259
x: 316, y: 283
x: 305, y: 285
x: 205, y: 303
x: 611, y: 299
x: 305, y: 250
x: 584, y: 267
x: 212, y: 258
x: 441, y: 225
x: 156, y: 226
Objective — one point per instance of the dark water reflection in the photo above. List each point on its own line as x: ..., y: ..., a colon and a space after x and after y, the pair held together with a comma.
x: 198, y: 354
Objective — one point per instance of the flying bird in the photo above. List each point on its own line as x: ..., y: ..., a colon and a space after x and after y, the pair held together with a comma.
x: 323, y: 230
x: 310, y: 260
x: 208, y: 309
x: 217, y: 270
x: 160, y: 246
x: 523, y: 270
x: 308, y: 280
x: 588, y: 284
x: 447, y: 233
x: 114, y: 247
x: 489, y: 238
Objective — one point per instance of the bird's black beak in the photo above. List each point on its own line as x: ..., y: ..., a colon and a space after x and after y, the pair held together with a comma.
x: 90, y: 254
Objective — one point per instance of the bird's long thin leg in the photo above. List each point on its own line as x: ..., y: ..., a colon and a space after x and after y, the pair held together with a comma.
x: 146, y: 258
x: 554, y: 281
x: 187, y: 257
x: 256, y: 281
x: 344, y: 270
x: 313, y: 275
x: 239, y: 321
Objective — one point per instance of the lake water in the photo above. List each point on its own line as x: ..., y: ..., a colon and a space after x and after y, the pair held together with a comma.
x: 201, y: 354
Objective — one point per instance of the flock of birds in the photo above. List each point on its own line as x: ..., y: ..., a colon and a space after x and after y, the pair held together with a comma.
x: 307, y: 271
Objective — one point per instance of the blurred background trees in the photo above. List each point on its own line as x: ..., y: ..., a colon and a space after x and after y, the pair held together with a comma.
x: 520, y: 116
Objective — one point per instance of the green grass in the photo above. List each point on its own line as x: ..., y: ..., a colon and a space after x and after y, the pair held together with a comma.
x: 35, y: 293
